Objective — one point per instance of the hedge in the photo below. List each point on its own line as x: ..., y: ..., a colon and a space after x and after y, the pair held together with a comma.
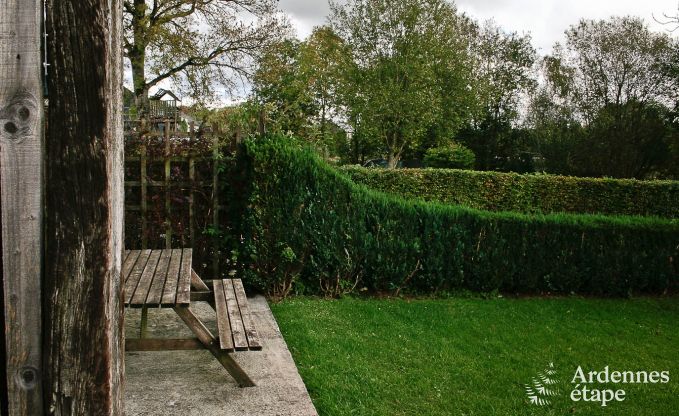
x: 304, y: 227
x: 496, y: 191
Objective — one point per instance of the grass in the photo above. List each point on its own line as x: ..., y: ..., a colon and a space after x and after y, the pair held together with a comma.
x: 473, y: 357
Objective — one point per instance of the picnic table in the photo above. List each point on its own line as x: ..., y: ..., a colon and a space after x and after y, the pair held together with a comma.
x: 166, y: 279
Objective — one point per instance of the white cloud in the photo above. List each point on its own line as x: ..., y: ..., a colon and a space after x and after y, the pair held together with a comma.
x: 545, y: 20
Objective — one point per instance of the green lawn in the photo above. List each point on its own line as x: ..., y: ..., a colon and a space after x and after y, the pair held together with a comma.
x: 473, y: 357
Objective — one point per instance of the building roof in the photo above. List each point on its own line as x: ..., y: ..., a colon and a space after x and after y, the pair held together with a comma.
x: 161, y: 93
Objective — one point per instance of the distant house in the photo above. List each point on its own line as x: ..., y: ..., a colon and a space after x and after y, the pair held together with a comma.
x: 164, y: 104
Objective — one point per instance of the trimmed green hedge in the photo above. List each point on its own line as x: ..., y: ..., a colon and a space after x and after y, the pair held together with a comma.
x: 496, y: 191
x: 304, y: 227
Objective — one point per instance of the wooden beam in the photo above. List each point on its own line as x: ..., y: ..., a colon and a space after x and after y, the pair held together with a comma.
x: 168, y: 191
x: 211, y: 343
x: 163, y: 344
x: 197, y: 283
x: 216, y: 160
x: 21, y: 155
x: 202, y: 296
x: 83, y: 336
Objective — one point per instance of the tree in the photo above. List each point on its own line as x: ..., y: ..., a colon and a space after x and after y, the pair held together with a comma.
x: 280, y: 87
x: 195, y: 43
x: 630, y: 140
x: 410, y: 71
x: 323, y: 57
x: 451, y: 156
x: 613, y: 77
x: 503, y: 64
x: 612, y: 62
x: 504, y: 69
x: 555, y: 129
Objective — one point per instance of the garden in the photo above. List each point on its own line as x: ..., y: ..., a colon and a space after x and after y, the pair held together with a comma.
x: 395, y: 305
x: 406, y: 209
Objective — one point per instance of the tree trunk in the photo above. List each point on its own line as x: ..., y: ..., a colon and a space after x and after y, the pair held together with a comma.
x: 393, y: 159
x: 83, y: 338
x: 138, y: 57
x: 141, y: 90
x: 395, y: 150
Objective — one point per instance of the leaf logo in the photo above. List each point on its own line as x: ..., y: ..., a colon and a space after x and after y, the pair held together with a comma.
x: 543, y: 387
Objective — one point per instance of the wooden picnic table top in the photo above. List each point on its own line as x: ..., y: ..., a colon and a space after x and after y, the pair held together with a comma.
x: 157, y: 278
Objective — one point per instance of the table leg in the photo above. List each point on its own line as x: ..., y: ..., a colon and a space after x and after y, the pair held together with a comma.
x: 144, y: 322
x: 210, y: 343
x: 197, y: 283
x: 200, y: 286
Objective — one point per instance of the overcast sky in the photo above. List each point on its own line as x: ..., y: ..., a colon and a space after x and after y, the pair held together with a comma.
x: 545, y: 20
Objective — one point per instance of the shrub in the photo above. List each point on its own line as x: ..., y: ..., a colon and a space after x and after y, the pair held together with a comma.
x: 496, y: 191
x: 347, y: 237
x: 453, y: 156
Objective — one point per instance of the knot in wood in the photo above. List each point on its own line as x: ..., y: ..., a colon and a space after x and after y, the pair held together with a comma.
x: 19, y: 117
x: 28, y: 377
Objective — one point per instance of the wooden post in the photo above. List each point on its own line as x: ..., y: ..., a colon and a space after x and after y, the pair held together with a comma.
x: 192, y: 190
x: 168, y: 172
x: 215, y: 204
x: 21, y: 190
x: 83, y: 338
x: 144, y: 196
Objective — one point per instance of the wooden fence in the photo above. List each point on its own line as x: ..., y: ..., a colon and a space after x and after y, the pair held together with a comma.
x: 174, y: 198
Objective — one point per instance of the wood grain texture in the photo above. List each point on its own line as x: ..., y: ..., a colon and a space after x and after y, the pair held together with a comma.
x: 146, y: 280
x: 254, y: 342
x: 130, y: 259
x: 163, y: 344
x: 223, y: 324
x: 135, y: 275
x: 197, y: 283
x: 156, y: 290
x: 170, y: 290
x: 21, y: 155
x: 240, y: 342
x: 184, y: 284
x: 83, y: 338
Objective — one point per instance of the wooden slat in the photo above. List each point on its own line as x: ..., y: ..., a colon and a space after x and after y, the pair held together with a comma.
x: 170, y: 290
x: 131, y: 257
x: 250, y: 331
x: 21, y: 178
x: 139, y: 297
x: 240, y: 342
x: 163, y: 344
x: 184, y: 284
x: 156, y: 291
x: 223, y: 324
x: 133, y: 280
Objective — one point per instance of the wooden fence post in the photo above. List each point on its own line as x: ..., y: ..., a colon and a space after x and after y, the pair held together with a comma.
x: 144, y: 195
x: 21, y: 189
x: 83, y: 338
x: 215, y: 203
x: 192, y: 191
x: 168, y: 173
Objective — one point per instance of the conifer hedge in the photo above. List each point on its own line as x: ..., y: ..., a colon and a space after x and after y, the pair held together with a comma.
x: 304, y: 227
x: 497, y: 191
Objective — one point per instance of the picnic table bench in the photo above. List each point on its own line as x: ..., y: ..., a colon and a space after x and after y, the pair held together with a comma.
x: 165, y: 279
